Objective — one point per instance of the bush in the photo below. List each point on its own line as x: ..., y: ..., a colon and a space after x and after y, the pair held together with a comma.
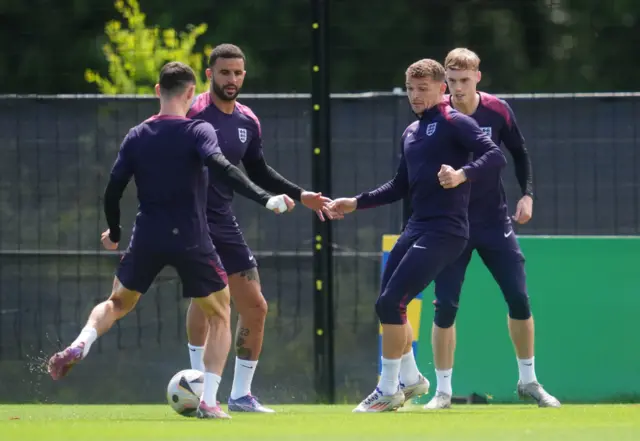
x: 136, y: 53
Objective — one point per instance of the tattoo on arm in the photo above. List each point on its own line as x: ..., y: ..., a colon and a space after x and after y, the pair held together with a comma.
x: 242, y: 352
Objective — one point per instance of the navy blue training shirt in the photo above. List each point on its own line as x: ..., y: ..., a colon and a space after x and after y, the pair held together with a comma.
x: 240, y: 138
x: 441, y: 136
x: 166, y: 156
x: 488, y: 200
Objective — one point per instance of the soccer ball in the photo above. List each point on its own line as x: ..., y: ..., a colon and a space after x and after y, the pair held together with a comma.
x: 184, y: 391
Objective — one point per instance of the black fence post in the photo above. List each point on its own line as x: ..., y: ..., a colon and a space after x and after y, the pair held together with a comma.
x: 321, y: 176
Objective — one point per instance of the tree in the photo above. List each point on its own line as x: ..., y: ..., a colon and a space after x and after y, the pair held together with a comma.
x: 136, y: 53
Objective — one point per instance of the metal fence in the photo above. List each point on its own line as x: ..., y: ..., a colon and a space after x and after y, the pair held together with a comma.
x: 56, y: 152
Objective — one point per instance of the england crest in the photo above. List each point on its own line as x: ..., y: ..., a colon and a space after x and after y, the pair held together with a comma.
x: 242, y: 134
x: 486, y: 131
x: 431, y: 129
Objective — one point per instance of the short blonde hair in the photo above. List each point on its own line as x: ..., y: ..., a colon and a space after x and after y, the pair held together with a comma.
x: 426, y: 68
x: 462, y: 59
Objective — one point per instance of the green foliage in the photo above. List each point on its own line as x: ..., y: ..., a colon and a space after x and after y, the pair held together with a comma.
x: 136, y: 53
x: 525, y: 45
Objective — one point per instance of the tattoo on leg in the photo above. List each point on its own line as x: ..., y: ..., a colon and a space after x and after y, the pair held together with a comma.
x: 251, y: 274
x: 242, y: 352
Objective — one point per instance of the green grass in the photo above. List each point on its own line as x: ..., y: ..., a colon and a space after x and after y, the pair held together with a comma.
x: 331, y: 423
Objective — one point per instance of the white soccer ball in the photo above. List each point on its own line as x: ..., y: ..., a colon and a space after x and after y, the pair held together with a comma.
x: 184, y: 391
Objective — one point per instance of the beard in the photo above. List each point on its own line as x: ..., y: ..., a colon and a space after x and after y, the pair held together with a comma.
x: 222, y: 94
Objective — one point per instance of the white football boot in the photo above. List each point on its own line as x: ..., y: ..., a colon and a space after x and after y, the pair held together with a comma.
x: 439, y: 401
x: 378, y: 402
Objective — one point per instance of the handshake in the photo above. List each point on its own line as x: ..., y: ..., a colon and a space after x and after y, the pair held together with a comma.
x: 324, y: 207
x: 448, y: 177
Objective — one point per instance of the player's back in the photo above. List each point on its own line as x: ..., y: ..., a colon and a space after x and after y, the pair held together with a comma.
x: 171, y: 182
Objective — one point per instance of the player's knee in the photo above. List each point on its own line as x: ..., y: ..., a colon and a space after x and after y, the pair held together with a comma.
x: 216, y: 304
x: 222, y: 305
x: 519, y: 306
x: 445, y: 314
x: 122, y: 299
x: 390, y: 310
x: 222, y: 317
x: 261, y: 308
x: 254, y: 308
x: 120, y: 307
x: 248, y: 299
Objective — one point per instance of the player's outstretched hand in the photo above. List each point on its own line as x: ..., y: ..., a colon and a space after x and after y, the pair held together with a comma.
x: 106, y: 242
x: 280, y: 204
x: 317, y: 203
x: 341, y: 206
x: 330, y: 214
x: 524, y: 210
x: 449, y: 177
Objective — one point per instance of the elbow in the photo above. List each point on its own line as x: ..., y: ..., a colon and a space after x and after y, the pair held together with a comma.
x: 403, y: 193
x: 501, y: 159
x: 107, y: 206
x: 111, y: 207
x: 112, y: 195
x: 109, y: 199
x: 394, y: 192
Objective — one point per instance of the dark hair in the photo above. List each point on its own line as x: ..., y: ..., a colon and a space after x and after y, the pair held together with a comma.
x: 225, y: 51
x: 175, y: 77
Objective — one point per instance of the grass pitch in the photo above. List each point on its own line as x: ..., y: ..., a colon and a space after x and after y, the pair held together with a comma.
x: 332, y: 423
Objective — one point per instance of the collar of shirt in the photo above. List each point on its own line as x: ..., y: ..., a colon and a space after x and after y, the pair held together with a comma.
x: 430, y: 113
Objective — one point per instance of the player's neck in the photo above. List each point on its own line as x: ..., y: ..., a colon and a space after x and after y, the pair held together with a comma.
x: 467, y: 107
x: 429, y: 106
x: 169, y: 109
x: 222, y: 105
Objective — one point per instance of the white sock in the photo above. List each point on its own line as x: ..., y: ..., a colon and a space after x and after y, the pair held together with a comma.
x: 389, y: 381
x: 444, y: 381
x: 88, y: 336
x: 242, y: 378
x: 210, y: 393
x: 409, y: 373
x: 527, y: 370
x: 195, y: 355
